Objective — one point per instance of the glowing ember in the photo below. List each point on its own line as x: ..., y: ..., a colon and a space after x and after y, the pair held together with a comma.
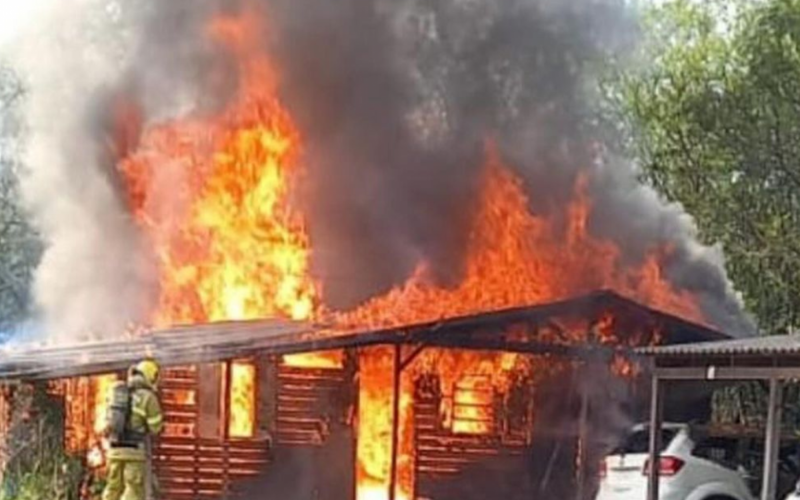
x: 85, y: 406
x: 95, y: 458
x: 328, y: 360
x: 243, y: 409
x: 375, y: 421
x: 624, y: 368
x: 102, y: 387
x: 179, y: 397
x: 78, y: 425
x: 473, y: 401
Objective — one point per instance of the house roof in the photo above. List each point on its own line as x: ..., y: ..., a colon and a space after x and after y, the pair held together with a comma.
x: 215, y: 342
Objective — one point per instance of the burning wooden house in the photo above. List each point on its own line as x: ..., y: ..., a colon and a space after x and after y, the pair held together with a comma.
x: 481, y: 369
x: 517, y: 403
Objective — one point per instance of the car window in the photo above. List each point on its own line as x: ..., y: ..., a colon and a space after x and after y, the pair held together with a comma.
x: 722, y: 451
x: 639, y: 442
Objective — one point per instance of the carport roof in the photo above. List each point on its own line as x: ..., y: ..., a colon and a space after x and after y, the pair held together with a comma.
x: 772, y: 345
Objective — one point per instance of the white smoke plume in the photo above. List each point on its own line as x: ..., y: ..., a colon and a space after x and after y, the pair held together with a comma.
x: 94, y: 270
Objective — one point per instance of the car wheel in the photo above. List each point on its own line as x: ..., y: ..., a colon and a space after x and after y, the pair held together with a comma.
x: 719, y: 497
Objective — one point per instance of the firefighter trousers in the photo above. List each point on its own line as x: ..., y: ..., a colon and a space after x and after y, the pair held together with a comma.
x: 125, y: 480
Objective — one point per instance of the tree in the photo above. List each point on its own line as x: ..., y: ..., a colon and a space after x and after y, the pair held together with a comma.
x: 20, y: 247
x: 710, y: 107
x: 35, y: 465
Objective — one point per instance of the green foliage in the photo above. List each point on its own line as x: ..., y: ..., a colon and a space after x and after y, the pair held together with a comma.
x: 20, y: 250
x: 20, y: 247
x: 53, y: 478
x: 745, y: 404
x: 37, y: 466
x: 709, y: 106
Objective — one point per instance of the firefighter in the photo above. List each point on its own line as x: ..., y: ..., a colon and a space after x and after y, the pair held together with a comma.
x: 128, y: 460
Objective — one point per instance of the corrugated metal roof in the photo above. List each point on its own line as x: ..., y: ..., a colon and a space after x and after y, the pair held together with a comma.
x: 753, y: 346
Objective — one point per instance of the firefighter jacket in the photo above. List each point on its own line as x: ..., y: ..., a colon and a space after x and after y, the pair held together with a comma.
x: 145, y: 419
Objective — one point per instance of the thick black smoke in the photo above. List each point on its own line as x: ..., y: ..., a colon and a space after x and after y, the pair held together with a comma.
x: 395, y: 100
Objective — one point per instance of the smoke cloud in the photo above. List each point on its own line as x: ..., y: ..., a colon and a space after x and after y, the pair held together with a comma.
x: 93, y: 271
x: 395, y: 100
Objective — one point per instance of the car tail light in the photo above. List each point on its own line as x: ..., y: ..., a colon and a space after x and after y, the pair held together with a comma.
x: 603, y: 472
x: 668, y: 466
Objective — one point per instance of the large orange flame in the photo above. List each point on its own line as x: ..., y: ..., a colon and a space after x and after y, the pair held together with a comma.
x: 375, y: 422
x: 230, y: 245
x: 230, y: 242
x: 243, y: 408
x: 515, y: 258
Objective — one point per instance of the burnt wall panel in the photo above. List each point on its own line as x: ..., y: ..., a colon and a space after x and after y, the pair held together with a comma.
x: 306, y: 412
x: 266, y: 395
x: 463, y: 466
x: 193, y: 461
x: 209, y: 400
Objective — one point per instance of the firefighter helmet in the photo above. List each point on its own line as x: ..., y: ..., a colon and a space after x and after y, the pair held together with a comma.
x: 149, y: 370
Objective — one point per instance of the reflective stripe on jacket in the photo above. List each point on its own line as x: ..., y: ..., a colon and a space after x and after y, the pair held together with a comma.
x: 146, y: 416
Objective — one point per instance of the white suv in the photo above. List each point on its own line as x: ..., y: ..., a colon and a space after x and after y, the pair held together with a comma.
x: 795, y: 493
x: 688, y: 471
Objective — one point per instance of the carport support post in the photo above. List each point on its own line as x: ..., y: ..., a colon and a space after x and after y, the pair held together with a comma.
x: 773, y: 439
x: 226, y: 430
x: 583, y: 438
x: 655, y: 439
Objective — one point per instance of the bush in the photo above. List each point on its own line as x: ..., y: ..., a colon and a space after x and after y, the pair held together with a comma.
x: 37, y: 466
